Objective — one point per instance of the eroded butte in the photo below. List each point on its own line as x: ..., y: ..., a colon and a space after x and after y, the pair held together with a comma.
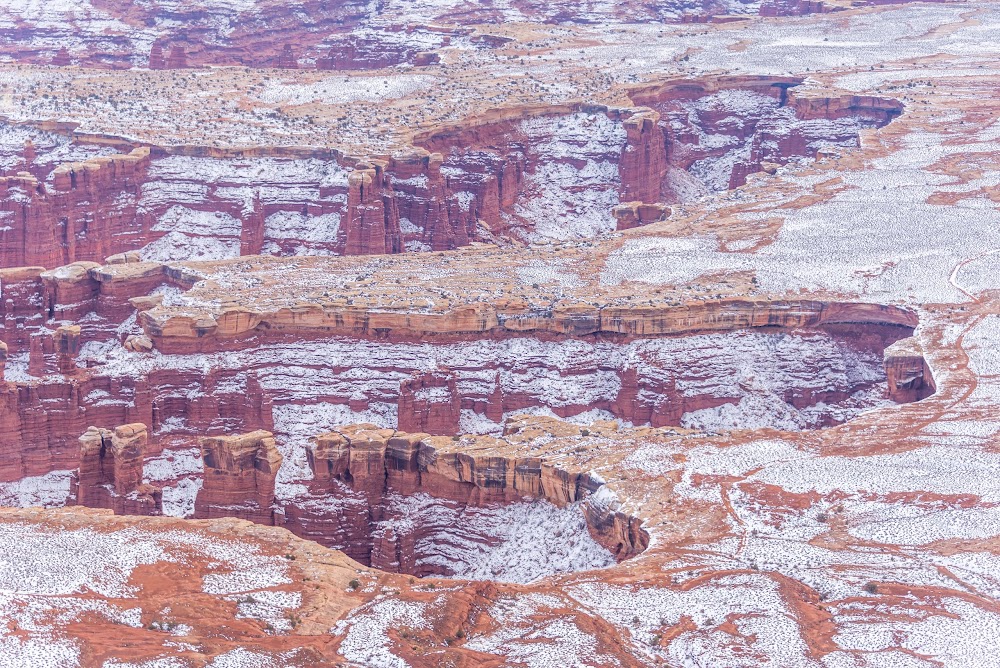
x: 499, y: 334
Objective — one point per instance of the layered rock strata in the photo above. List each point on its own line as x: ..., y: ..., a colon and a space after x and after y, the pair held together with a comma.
x: 86, y: 212
x: 908, y: 374
x: 361, y: 471
x: 110, y: 474
x: 530, y: 173
x: 181, y: 333
x: 239, y: 477
x: 627, y: 362
x: 344, y: 35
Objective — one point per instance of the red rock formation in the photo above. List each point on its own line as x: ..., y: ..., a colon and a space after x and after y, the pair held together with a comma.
x: 772, y: 131
x: 644, y: 161
x: 909, y: 377
x: 239, y: 477
x: 66, y: 344
x: 29, y: 153
x: 70, y: 292
x: 110, y: 472
x: 792, y: 7
x: 287, y: 59
x: 138, y: 344
x: 426, y: 58
x: 81, y: 215
x: 229, y: 34
x: 38, y: 420
x: 362, y: 467
x: 177, y: 60
x: 464, y: 183
x: 62, y: 58
x: 32, y: 237
x: 430, y: 403
x: 40, y: 349
x: 327, y: 62
x: 354, y: 52
x: 372, y: 221
x: 424, y: 199
x: 252, y: 230
x: 156, y: 59
x: 635, y: 214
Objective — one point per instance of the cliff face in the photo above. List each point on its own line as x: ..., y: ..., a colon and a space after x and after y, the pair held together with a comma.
x: 543, y: 173
x: 486, y: 363
x: 202, y: 33
x: 239, y: 477
x: 372, y: 223
x: 390, y: 491
x: 110, y: 471
x: 183, y: 333
x: 87, y: 213
x: 668, y: 380
x: 532, y: 173
x: 643, y: 164
x: 909, y: 377
x: 750, y: 122
x: 465, y: 369
x: 375, y: 49
x: 340, y: 35
x: 430, y: 403
x: 22, y: 304
x: 401, y: 502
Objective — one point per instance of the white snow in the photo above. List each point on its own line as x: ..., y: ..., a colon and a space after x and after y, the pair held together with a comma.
x: 341, y: 89
x: 201, y: 223
x: 48, y: 491
x: 366, y: 641
x: 518, y: 542
x: 175, y: 246
x: 560, y: 199
x: 528, y: 632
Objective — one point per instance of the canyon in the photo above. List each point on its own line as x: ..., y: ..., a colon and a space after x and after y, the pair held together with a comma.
x: 506, y: 334
x: 535, y: 175
x: 143, y: 361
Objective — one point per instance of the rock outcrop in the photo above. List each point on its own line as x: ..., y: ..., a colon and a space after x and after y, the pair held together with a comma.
x: 362, y: 472
x: 753, y: 121
x: 637, y: 214
x: 525, y: 173
x: 491, y: 360
x: 430, y: 403
x: 372, y: 223
x: 87, y: 212
x: 287, y: 59
x: 793, y: 7
x: 110, y: 474
x: 239, y: 479
x: 62, y: 58
x: 644, y: 162
x: 183, y: 333
x: 177, y: 60
x: 156, y: 59
x: 909, y: 376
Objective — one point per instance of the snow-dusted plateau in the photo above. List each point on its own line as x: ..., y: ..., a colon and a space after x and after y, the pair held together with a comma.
x: 442, y: 333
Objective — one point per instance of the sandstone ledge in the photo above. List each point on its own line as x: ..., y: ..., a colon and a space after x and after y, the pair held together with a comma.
x: 203, y: 331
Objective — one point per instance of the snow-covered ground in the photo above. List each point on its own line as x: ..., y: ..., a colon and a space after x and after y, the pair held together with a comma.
x: 51, y: 577
x: 518, y: 542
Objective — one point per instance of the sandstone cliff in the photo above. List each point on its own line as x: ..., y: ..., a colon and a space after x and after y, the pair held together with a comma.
x: 239, y: 477
x: 110, y: 471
